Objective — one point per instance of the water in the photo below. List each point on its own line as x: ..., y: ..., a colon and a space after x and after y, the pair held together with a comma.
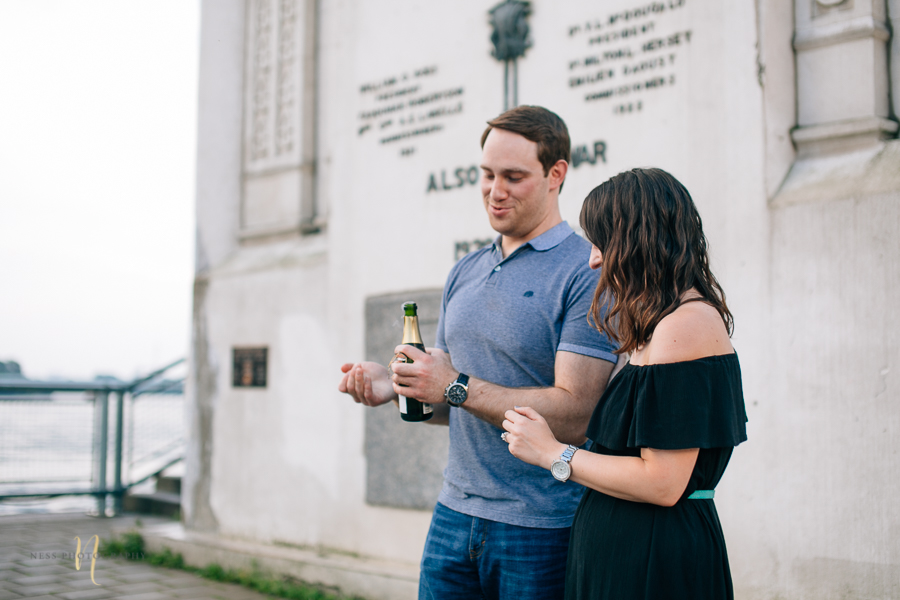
x: 49, y: 445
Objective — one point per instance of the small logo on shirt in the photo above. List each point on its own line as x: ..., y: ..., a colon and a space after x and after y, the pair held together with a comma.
x: 528, y: 294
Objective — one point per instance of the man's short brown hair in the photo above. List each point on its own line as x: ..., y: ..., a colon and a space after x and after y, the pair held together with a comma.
x: 540, y: 126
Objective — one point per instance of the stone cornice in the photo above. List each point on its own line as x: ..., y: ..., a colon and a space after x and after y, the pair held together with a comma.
x: 861, y: 28
x: 841, y: 129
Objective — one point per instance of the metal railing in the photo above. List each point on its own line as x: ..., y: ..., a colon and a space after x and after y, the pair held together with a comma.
x: 160, y: 457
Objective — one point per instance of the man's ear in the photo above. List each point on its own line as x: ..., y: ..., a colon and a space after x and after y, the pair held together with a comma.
x: 557, y: 174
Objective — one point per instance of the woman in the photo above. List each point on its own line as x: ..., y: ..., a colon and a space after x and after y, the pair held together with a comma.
x: 666, y: 425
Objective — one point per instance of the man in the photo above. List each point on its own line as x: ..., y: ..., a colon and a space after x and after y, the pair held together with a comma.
x: 512, y: 331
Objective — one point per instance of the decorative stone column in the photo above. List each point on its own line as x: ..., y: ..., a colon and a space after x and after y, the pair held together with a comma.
x: 279, y: 120
x: 842, y: 75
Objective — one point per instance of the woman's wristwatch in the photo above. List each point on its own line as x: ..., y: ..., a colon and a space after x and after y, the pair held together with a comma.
x: 560, y: 468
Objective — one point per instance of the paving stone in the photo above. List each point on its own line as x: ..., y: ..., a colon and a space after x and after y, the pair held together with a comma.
x: 169, y: 575
x: 102, y: 567
x: 195, y: 592
x: 239, y: 593
x: 128, y: 568
x: 46, y: 570
x: 181, y: 582
x: 145, y: 596
x: 105, y: 567
x: 235, y: 592
x: 38, y: 590
x: 83, y: 573
x: 35, y: 580
x: 94, y: 594
x: 32, y: 562
x: 137, y: 588
x: 87, y: 584
x: 228, y: 595
x: 139, y: 577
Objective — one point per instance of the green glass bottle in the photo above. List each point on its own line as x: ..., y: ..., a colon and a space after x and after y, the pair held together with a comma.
x: 410, y: 408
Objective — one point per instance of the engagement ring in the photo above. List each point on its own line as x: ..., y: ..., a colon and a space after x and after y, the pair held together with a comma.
x: 504, y: 435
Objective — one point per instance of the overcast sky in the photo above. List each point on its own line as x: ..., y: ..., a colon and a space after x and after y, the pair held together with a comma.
x: 97, y: 145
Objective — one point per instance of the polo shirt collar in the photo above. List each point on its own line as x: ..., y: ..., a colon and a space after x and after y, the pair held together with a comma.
x: 551, y: 238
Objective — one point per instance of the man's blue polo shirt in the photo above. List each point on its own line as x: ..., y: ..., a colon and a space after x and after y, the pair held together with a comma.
x: 503, y: 321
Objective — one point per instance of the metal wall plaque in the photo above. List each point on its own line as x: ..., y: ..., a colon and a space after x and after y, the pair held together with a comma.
x: 249, y: 367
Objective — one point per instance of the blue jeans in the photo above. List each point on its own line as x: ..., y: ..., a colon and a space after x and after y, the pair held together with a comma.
x: 471, y: 558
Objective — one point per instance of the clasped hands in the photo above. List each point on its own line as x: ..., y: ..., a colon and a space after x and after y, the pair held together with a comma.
x: 424, y: 379
x: 530, y: 438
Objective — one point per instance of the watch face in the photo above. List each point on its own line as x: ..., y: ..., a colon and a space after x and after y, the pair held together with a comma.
x: 457, y: 394
x: 560, y: 470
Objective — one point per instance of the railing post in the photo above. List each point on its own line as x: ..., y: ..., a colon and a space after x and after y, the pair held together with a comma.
x: 117, y: 470
x: 103, y: 399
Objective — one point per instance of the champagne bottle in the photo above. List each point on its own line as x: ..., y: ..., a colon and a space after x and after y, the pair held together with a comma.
x: 410, y: 408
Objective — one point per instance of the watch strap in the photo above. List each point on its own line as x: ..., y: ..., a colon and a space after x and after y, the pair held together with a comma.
x: 463, y: 379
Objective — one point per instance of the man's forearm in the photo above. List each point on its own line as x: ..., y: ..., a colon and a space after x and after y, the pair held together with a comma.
x: 567, y: 405
x: 566, y: 414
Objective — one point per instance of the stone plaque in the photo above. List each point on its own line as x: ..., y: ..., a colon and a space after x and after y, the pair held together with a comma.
x: 249, y: 367
x: 405, y: 461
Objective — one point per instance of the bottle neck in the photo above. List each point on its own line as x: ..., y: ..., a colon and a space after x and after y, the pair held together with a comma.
x: 411, y: 333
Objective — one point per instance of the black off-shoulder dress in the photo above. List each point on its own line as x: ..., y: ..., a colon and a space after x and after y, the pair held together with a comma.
x: 622, y: 550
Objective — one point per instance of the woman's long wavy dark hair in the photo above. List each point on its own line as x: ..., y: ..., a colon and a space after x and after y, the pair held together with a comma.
x: 654, y: 250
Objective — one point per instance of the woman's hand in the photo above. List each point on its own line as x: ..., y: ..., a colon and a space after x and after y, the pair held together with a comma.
x: 529, y: 437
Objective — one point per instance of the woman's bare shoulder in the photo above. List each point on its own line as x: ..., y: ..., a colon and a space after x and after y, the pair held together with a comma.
x: 692, y: 331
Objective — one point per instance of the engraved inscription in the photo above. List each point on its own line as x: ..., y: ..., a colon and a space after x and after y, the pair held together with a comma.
x: 585, y: 154
x: 626, y: 55
x: 451, y: 179
x: 446, y: 180
x: 404, y: 107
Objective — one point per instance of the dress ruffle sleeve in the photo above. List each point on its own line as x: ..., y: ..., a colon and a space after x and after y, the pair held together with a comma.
x: 691, y: 404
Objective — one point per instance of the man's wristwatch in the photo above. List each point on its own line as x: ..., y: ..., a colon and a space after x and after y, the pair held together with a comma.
x: 560, y: 468
x: 457, y: 392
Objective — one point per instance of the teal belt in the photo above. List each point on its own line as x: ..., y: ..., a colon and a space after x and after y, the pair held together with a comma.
x: 703, y: 495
